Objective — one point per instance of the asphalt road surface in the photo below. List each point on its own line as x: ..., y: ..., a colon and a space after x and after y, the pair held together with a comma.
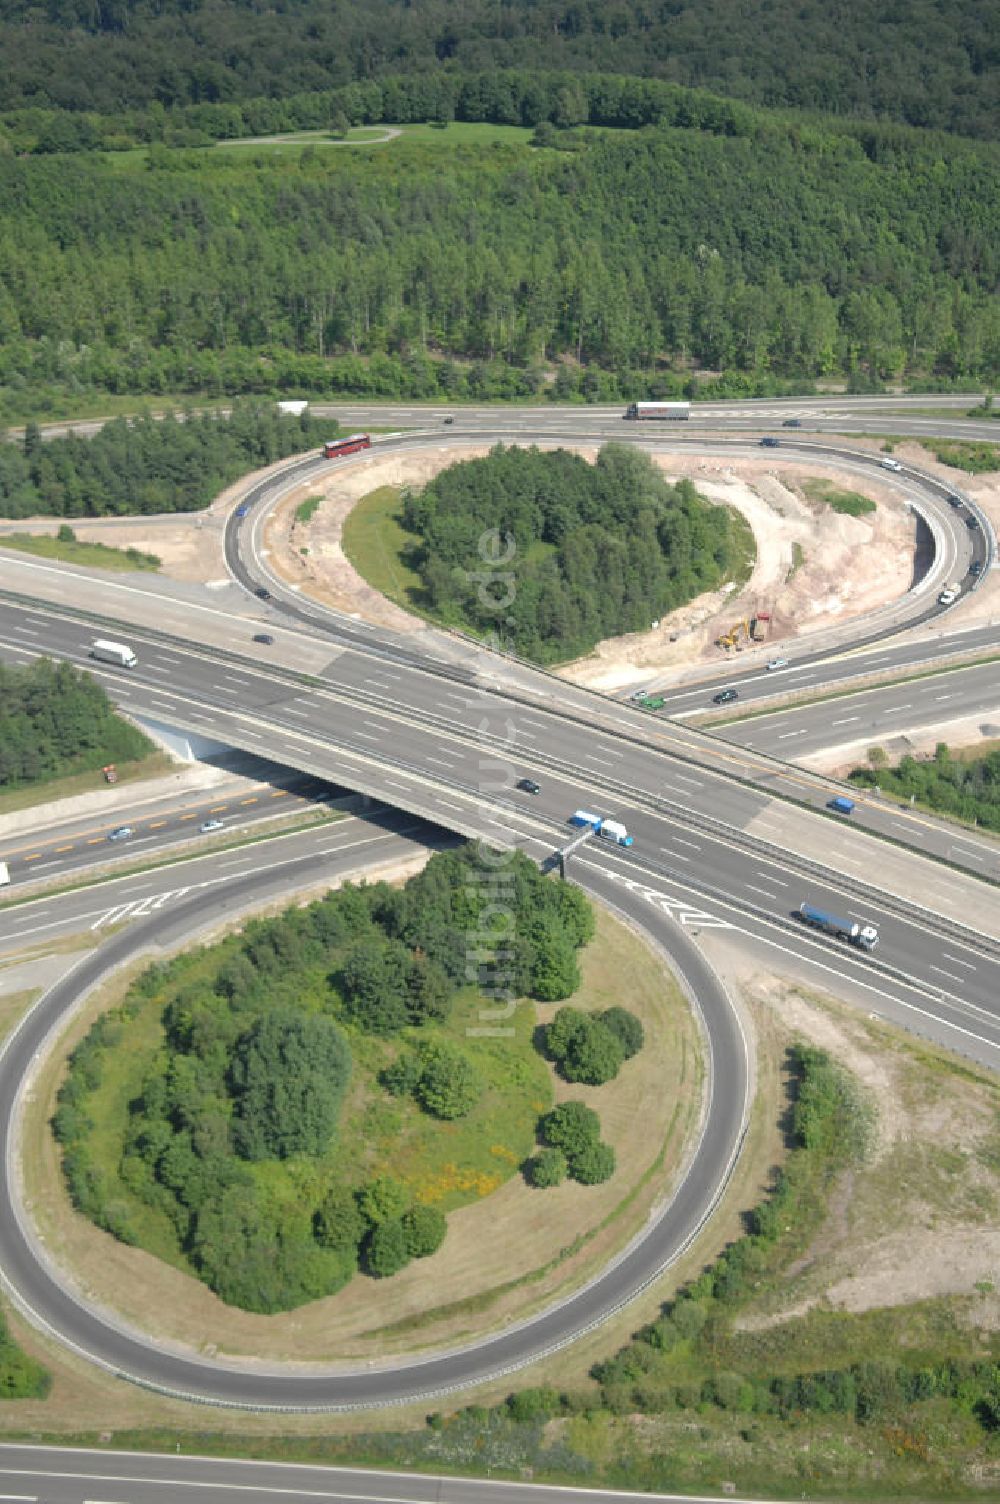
x: 49, y: 1475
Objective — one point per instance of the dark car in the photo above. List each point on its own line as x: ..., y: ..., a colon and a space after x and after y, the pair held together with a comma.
x: 792, y: 423
x: 529, y: 786
x: 725, y: 696
x: 976, y: 567
x: 262, y: 594
x: 242, y: 511
x: 971, y: 522
x: 954, y: 501
x: 447, y: 420
x: 263, y: 637
x: 769, y: 442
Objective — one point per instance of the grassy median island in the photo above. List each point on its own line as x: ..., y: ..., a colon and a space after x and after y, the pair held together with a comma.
x: 318, y: 1095
x: 550, y: 552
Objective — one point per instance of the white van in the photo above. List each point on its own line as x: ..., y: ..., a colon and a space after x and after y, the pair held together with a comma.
x: 4, y: 874
x: 890, y: 464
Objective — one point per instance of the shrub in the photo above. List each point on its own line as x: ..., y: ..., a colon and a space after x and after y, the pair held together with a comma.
x: 547, y: 1168
x: 594, y: 1164
x: 626, y: 1028
x: 527, y: 1405
x: 424, y: 1229
x: 449, y: 1085
x: 386, y: 1252
x: 583, y: 1048
x: 338, y: 1221
x: 383, y: 1200
x: 571, y: 1127
x: 402, y: 1076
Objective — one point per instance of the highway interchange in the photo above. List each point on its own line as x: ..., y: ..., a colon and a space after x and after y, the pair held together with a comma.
x: 443, y: 735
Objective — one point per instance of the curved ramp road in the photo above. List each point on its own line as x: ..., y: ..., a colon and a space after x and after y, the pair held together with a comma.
x: 39, y: 1292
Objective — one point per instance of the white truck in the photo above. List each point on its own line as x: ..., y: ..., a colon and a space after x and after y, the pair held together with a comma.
x: 4, y: 874
x: 865, y: 936
x: 678, y: 411
x: 118, y: 653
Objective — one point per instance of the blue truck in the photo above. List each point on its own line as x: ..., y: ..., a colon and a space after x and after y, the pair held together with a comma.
x: 608, y: 830
x: 865, y: 936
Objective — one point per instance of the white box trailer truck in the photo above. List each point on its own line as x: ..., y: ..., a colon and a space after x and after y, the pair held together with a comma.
x: 113, y: 652
x: 662, y: 411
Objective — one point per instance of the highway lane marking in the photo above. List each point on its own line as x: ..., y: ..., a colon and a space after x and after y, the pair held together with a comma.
x: 957, y: 960
x: 439, y: 762
x: 292, y: 711
x: 766, y: 892
x: 64, y: 848
x: 694, y: 845
x: 592, y: 757
x: 942, y: 973
x: 769, y: 878
x: 675, y: 856
x: 784, y: 735
x: 845, y: 722
x: 694, y: 782
x: 366, y: 736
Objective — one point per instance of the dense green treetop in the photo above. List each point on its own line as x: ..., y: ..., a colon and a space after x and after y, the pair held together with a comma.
x: 55, y: 720
x: 926, y: 63
x: 590, y: 550
x: 143, y: 465
x: 789, y: 252
x: 966, y: 788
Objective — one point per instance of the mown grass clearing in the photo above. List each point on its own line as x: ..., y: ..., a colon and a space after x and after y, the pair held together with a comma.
x: 377, y: 544
x: 156, y: 765
x: 72, y: 551
x: 850, y: 503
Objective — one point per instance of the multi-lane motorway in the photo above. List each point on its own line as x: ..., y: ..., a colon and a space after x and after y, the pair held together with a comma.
x: 445, y: 734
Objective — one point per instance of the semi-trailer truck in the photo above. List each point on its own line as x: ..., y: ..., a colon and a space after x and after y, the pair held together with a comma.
x: 865, y: 936
x: 113, y: 652
x: 675, y: 410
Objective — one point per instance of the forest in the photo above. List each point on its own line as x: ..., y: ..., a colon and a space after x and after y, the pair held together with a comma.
x: 56, y: 720
x: 134, y: 467
x: 589, y: 551
x: 966, y: 788
x: 923, y: 63
x: 428, y: 271
x: 271, y: 1102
